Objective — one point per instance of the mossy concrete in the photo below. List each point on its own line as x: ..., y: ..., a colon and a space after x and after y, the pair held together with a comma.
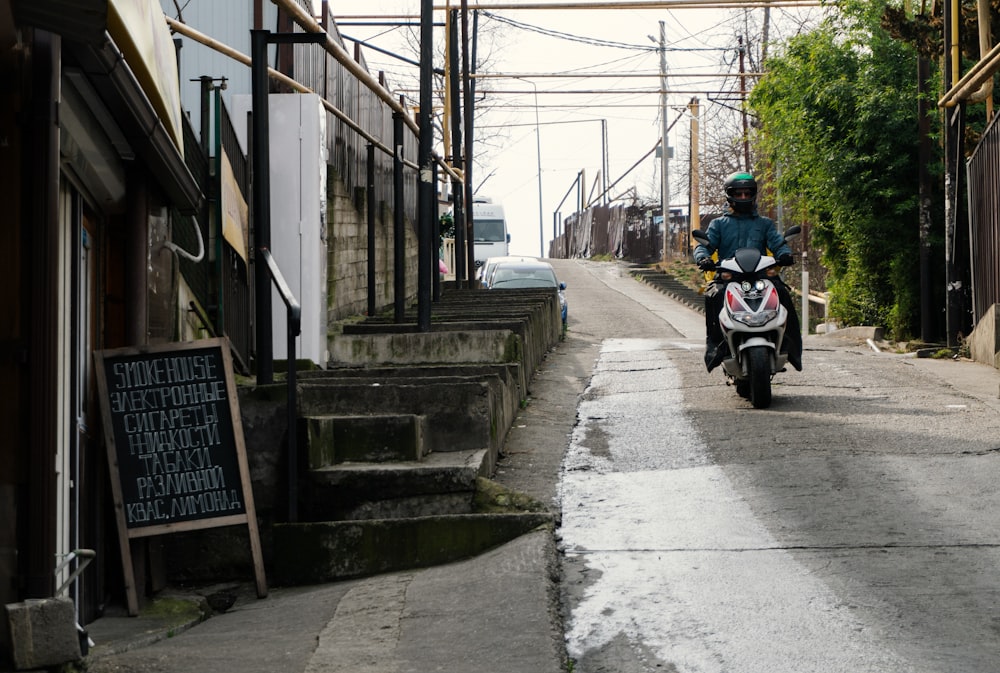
x: 440, y: 483
x: 377, y: 438
x: 459, y: 412
x: 328, y: 551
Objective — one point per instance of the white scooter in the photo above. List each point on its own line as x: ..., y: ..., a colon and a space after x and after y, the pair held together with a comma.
x: 752, y: 320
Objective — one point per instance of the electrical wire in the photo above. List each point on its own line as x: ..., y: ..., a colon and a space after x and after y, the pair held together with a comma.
x: 568, y: 36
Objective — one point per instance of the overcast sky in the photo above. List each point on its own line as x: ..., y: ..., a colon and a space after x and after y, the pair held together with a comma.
x: 606, y: 41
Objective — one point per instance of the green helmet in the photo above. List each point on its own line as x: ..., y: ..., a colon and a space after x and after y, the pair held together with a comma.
x: 737, y: 182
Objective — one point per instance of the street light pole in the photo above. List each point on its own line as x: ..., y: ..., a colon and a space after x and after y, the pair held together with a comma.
x: 538, y: 144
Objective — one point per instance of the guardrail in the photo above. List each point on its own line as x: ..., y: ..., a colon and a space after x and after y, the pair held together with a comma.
x: 294, y: 329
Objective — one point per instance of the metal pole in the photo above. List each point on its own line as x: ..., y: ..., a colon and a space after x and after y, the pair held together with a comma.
x: 436, y: 233
x: 291, y: 416
x: 538, y: 145
x: 261, y: 162
x: 457, y: 189
x: 805, y: 294
x: 426, y: 194
x: 469, y: 96
x: 604, y: 161
x: 694, y: 209
x: 370, y: 188
x: 398, y: 223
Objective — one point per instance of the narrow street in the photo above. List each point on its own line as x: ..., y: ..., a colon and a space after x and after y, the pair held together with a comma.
x: 850, y: 527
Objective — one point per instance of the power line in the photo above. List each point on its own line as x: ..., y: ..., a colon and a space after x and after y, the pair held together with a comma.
x: 568, y: 36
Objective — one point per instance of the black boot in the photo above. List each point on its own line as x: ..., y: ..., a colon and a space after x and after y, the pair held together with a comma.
x: 794, y: 352
x: 715, y: 353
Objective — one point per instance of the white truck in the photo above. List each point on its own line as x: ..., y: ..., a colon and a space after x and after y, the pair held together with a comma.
x: 490, y: 236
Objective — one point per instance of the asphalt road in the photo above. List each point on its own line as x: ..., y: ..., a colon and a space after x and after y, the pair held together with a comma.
x: 852, y: 526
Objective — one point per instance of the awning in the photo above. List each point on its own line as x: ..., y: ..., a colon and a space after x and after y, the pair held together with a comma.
x: 83, y: 27
x: 114, y: 81
x: 77, y: 20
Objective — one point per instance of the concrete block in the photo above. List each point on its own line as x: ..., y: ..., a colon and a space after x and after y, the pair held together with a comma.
x: 984, y: 342
x: 460, y: 413
x: 43, y: 633
x: 427, y: 347
x: 363, y: 438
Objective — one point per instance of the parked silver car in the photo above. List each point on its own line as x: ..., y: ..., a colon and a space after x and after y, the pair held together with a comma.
x: 532, y: 273
x: 484, y: 272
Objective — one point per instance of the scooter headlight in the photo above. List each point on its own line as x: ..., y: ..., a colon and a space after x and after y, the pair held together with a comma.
x: 754, y: 319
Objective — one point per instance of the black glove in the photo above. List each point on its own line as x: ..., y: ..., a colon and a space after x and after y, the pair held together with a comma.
x: 786, y: 259
x: 706, y: 264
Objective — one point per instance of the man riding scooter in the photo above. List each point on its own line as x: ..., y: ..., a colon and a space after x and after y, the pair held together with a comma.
x: 743, y: 227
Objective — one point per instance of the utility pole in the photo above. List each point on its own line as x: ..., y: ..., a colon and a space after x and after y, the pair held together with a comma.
x: 694, y: 212
x: 924, y: 189
x: 954, y: 120
x: 664, y: 145
x: 743, y: 108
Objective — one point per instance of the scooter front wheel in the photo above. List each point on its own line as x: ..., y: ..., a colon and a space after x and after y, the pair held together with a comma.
x: 759, y: 360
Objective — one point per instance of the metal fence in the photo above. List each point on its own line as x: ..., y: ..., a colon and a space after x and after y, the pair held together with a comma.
x: 347, y: 149
x: 983, y: 172
x: 234, y: 315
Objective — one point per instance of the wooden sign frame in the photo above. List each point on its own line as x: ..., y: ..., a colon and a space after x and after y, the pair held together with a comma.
x: 172, y: 428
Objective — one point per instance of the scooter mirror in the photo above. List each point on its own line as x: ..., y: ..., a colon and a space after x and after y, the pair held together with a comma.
x: 792, y: 231
x: 699, y: 235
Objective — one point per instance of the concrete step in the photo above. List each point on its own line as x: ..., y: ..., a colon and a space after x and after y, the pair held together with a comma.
x: 438, y: 483
x: 378, y: 438
x: 671, y: 286
x: 461, y: 412
x: 324, y: 551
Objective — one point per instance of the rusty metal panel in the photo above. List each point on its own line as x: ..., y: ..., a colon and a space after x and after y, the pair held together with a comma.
x: 623, y: 232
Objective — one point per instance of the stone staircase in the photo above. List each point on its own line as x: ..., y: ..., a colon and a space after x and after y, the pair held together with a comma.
x: 402, y: 432
x: 669, y: 285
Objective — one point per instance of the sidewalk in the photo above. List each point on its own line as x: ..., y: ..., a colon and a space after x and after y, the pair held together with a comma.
x: 971, y: 378
x: 495, y: 613
x: 490, y: 613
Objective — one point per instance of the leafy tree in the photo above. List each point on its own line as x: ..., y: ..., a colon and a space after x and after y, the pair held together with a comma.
x: 838, y: 137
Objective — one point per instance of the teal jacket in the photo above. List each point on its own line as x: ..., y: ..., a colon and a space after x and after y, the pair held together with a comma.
x: 729, y: 232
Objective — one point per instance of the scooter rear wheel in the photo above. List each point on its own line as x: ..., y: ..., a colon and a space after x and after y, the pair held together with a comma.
x: 760, y: 377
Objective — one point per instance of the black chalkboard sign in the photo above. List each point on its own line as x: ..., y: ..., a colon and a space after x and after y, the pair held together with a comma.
x: 175, y: 441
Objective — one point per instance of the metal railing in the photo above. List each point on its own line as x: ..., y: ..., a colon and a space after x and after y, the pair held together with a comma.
x: 983, y: 171
x: 294, y: 329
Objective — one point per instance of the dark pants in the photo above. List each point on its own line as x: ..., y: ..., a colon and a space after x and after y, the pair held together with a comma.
x: 716, y: 348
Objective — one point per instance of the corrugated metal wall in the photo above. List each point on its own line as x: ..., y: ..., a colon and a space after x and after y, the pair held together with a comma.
x: 623, y: 232
x: 983, y: 171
